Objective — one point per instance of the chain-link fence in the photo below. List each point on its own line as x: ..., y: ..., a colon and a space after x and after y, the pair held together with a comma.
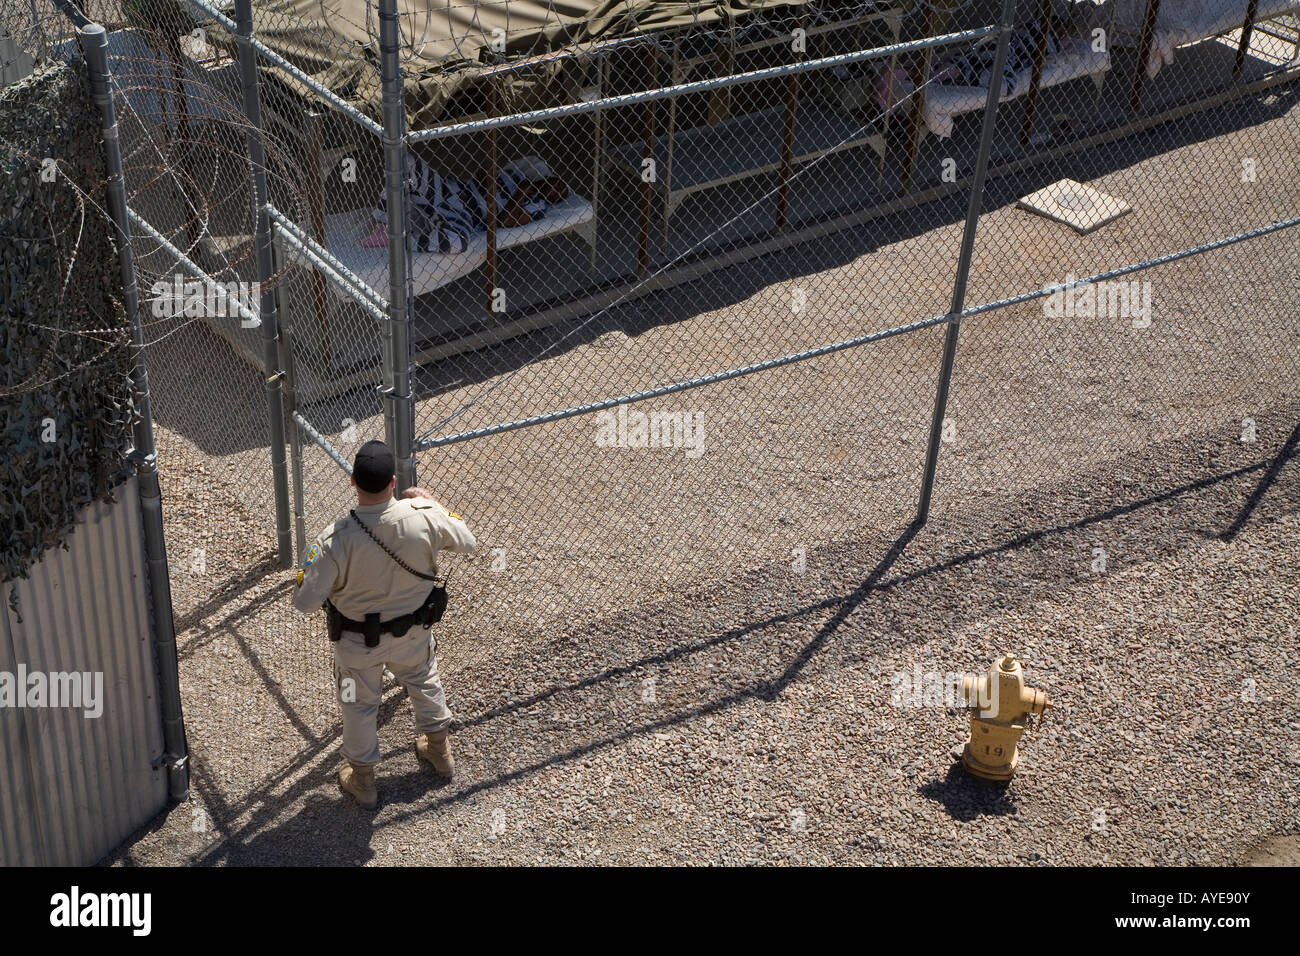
x: 662, y: 295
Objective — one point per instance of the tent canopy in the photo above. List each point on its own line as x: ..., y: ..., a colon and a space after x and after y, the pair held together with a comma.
x: 445, y: 43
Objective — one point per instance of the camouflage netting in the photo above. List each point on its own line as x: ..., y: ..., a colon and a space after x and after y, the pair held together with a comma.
x: 65, y: 389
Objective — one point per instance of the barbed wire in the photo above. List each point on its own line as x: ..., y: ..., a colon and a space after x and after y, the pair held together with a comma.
x: 150, y: 166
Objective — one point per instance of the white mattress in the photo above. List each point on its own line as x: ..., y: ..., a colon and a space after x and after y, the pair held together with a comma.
x: 1189, y: 21
x: 942, y: 102
x: 432, y: 270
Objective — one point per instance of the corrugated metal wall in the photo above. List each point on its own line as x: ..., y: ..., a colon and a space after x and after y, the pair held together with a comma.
x: 15, y: 63
x: 72, y: 787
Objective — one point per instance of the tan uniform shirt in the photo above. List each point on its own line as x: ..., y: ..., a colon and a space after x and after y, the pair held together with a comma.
x: 348, y: 568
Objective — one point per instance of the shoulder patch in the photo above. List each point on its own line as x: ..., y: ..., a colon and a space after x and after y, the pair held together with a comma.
x: 312, y: 554
x: 423, y: 504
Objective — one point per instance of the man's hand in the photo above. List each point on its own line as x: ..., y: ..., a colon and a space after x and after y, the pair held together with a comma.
x: 415, y: 491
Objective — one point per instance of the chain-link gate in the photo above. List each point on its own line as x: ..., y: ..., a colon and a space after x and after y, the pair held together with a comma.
x: 659, y: 298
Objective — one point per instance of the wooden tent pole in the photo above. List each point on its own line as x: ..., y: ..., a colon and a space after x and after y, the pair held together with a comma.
x: 647, y: 187
x: 1246, y: 30
x: 935, y: 18
x: 787, y: 144
x: 1036, y: 77
x: 490, y: 190
x: 1145, y: 43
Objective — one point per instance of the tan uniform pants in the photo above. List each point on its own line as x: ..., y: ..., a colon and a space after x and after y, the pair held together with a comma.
x: 359, y: 677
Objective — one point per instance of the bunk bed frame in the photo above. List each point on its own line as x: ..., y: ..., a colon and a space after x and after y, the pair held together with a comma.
x: 772, y: 140
x: 938, y: 19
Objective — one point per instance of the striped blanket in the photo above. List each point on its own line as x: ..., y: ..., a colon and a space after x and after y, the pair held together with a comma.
x: 447, y: 212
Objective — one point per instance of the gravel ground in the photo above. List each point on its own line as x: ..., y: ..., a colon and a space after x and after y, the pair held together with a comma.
x: 751, y: 721
x: 641, y: 676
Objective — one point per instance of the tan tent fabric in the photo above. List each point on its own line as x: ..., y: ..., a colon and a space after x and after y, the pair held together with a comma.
x: 443, y: 42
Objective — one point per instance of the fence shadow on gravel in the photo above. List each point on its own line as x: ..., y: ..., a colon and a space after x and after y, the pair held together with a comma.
x: 862, y: 620
x: 1266, y: 482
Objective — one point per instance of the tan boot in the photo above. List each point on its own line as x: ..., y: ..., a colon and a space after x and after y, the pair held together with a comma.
x: 435, y: 749
x: 360, y: 782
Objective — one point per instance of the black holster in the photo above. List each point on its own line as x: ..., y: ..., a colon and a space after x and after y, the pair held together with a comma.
x: 434, y: 606
x: 372, y: 629
x: 336, y: 623
x: 426, y: 615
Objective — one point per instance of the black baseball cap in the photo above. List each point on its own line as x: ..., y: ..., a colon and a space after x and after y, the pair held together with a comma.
x: 374, y: 467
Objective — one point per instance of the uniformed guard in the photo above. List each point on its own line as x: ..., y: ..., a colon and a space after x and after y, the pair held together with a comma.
x: 374, y: 571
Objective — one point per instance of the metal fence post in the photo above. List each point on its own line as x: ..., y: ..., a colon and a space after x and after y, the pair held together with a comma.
x: 399, y: 421
x: 1006, y: 23
x: 94, y: 41
x: 295, y: 442
x: 265, y: 275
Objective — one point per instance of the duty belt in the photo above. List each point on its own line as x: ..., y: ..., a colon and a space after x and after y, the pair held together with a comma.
x: 427, y: 614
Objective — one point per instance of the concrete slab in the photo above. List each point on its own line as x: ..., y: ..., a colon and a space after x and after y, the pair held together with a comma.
x: 1079, y: 206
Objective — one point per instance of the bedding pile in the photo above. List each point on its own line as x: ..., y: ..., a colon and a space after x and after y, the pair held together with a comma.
x: 960, y: 85
x: 1184, y: 21
x: 432, y: 268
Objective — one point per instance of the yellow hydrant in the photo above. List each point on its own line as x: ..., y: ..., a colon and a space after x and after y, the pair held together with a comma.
x: 999, y: 702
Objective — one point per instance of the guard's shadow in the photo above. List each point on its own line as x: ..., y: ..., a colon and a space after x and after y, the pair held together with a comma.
x: 329, y: 831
